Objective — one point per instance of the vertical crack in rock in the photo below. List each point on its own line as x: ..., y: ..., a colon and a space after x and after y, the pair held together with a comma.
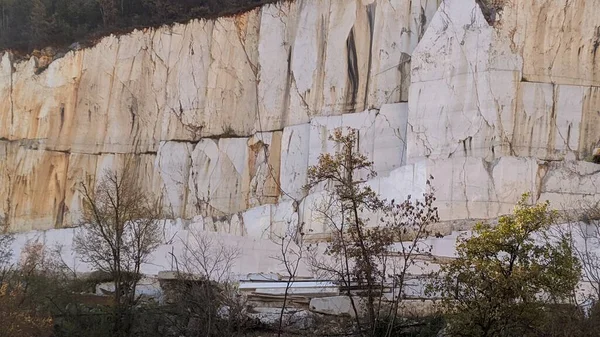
x: 62, y: 117
x: 560, y: 38
x: 504, y: 137
x: 555, y: 129
x: 316, y: 95
x: 397, y: 131
x: 353, y: 75
x: 540, y: 176
x: 489, y: 168
x: 516, y: 124
x: 502, y: 134
x: 464, y: 178
x: 490, y: 9
x: 12, y: 100
x: 133, y: 112
x: 110, y: 88
x: 404, y: 69
x: 302, y: 97
x: 241, y: 25
x: 62, y: 207
x: 186, y: 182
x: 288, y: 85
x: 473, y: 72
x: 371, y: 9
x: 153, y: 56
x: 596, y: 44
x: 254, y: 170
x: 552, y: 127
x: 9, y: 180
x: 422, y: 21
x: 422, y: 137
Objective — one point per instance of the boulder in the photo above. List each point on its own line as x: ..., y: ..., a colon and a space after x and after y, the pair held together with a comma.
x: 335, y: 305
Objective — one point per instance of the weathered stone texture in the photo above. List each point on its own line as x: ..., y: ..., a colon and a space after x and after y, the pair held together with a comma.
x: 215, y: 115
x: 523, y: 87
x: 221, y: 119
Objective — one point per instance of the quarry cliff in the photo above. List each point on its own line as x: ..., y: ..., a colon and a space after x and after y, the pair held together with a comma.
x: 222, y: 118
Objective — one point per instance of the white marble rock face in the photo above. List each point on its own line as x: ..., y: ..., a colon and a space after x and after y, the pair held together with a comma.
x: 223, y: 109
x: 222, y: 118
x: 505, y: 90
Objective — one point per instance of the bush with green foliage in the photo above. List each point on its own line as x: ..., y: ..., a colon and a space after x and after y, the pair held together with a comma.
x: 506, y: 277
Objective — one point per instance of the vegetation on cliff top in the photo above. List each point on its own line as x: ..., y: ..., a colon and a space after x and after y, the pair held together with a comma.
x: 26, y: 25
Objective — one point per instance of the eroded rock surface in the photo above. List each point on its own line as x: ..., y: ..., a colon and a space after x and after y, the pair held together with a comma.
x: 221, y: 119
x: 217, y: 115
x: 527, y: 86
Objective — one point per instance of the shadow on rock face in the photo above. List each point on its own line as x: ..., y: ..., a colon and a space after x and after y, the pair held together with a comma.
x: 490, y: 9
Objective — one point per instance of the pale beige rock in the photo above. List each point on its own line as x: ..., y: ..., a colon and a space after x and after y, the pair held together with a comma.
x: 173, y: 163
x: 222, y: 118
x: 505, y: 90
x: 295, y: 149
x: 33, y: 187
x: 572, y: 185
x: 82, y: 170
x: 589, y: 137
x: 559, y: 40
x: 465, y: 188
x: 158, y: 93
x: 233, y: 174
x: 216, y: 176
x: 336, y: 305
x: 548, y: 120
x: 264, y: 162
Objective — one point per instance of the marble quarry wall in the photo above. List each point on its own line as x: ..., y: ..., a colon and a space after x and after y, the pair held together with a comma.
x: 217, y: 116
x: 222, y: 118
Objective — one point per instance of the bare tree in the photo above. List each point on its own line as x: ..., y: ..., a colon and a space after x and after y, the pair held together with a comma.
x: 361, y: 251
x: 409, y: 224
x: 204, y: 294
x: 291, y: 245
x: 208, y: 256
x: 583, y: 230
x: 120, y: 230
x: 350, y: 198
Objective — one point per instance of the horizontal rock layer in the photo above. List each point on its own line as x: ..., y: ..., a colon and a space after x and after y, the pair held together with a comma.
x: 527, y: 86
x: 263, y: 70
x: 213, y: 177
x: 221, y: 119
x: 215, y: 115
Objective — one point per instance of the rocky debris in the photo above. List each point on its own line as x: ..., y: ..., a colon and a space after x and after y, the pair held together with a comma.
x: 264, y: 277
